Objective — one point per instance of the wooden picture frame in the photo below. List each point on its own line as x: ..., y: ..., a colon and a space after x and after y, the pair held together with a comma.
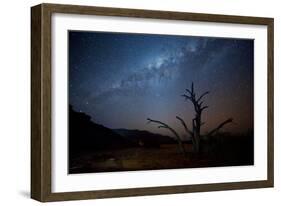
x: 41, y: 116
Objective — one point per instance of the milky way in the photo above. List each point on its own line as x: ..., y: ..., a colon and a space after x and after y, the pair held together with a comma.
x: 122, y: 79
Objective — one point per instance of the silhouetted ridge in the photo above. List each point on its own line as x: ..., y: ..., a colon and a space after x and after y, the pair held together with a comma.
x: 85, y: 135
x: 145, y: 138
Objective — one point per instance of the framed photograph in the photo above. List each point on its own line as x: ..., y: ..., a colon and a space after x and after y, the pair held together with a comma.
x: 132, y: 102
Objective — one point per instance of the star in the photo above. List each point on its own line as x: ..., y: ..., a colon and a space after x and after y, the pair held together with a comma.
x: 121, y: 79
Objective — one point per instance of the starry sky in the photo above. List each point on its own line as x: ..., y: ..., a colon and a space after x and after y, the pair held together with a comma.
x: 121, y: 79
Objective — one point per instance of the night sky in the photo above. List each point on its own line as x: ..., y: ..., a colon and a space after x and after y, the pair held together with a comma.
x: 121, y: 79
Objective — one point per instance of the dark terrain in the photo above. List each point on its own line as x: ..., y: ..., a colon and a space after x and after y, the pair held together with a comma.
x: 95, y: 148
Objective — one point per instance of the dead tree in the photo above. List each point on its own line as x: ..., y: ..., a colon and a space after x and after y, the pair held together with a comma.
x: 199, y: 107
x: 195, y: 133
x: 197, y: 121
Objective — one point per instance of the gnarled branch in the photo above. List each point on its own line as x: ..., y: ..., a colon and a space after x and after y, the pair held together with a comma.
x: 187, y: 97
x: 202, y: 95
x: 185, y: 127
x: 191, y: 133
x: 164, y: 125
x: 205, y: 107
x: 220, y: 126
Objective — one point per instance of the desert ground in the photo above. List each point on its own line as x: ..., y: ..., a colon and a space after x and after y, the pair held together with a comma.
x: 232, y: 152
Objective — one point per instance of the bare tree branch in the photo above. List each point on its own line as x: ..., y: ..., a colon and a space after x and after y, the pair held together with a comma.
x: 220, y: 126
x: 202, y: 95
x: 205, y: 107
x: 187, y: 130
x: 189, y: 91
x: 163, y: 125
x: 184, y: 125
x: 186, y: 97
